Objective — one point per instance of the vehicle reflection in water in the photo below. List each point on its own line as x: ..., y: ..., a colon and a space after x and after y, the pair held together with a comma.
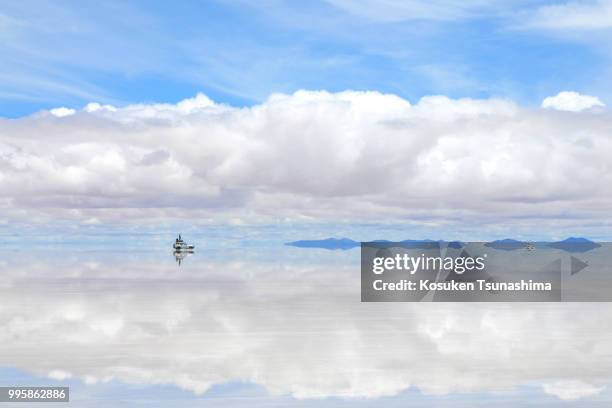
x: 180, y: 255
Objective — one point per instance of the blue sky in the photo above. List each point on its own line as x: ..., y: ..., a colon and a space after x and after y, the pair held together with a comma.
x: 239, y: 52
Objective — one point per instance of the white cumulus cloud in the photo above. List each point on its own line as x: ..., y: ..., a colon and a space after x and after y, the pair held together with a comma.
x: 311, y: 155
x: 62, y: 111
x: 571, y: 101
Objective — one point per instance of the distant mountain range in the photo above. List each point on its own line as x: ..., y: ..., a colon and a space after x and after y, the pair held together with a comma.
x: 346, y: 243
x: 572, y: 244
x: 328, y: 243
x: 506, y: 244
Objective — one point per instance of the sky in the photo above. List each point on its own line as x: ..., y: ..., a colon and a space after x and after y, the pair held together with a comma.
x: 239, y: 52
x: 437, y: 114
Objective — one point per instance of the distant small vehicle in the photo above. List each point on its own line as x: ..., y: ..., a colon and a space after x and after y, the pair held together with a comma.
x: 181, y: 246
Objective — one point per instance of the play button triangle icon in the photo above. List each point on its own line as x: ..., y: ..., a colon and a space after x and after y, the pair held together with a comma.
x: 577, y: 265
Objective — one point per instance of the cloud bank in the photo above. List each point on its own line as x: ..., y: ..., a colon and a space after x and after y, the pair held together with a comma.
x: 308, y: 156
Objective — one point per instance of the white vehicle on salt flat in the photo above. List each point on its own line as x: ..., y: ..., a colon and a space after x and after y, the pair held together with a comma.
x: 180, y: 245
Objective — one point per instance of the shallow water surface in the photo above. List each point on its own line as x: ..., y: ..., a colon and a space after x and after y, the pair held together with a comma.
x: 270, y: 325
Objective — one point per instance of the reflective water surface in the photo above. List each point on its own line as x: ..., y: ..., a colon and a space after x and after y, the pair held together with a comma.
x: 280, y: 325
